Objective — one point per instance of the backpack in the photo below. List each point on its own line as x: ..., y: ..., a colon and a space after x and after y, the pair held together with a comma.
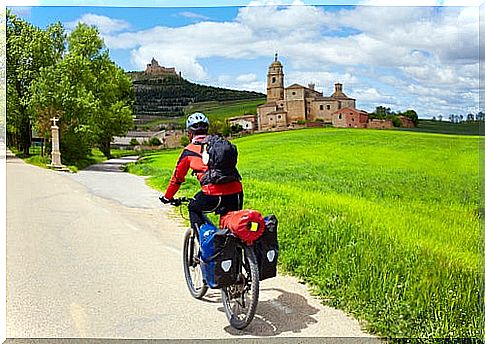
x: 220, y: 156
x: 247, y: 225
x: 218, y: 256
x: 266, y: 248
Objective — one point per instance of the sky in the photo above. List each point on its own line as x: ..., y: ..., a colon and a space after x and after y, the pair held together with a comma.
x: 423, y: 57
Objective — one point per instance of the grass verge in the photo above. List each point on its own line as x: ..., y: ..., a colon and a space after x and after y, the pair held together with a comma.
x: 382, y: 224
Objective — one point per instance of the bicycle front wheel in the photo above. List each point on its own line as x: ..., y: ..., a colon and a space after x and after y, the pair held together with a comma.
x: 192, y: 270
x: 240, y: 299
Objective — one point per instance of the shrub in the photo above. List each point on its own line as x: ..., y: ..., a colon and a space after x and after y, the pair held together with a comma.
x: 134, y: 142
x: 154, y: 141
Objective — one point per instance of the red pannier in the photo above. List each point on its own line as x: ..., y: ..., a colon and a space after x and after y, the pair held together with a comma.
x: 247, y: 225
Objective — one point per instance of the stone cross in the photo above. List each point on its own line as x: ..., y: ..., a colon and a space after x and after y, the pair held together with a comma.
x: 56, y: 152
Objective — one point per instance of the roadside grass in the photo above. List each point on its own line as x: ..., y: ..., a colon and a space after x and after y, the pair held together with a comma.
x: 382, y: 224
x: 95, y: 157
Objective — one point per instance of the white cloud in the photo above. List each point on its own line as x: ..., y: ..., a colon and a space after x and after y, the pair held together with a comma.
x: 247, y: 77
x: 192, y: 15
x: 105, y: 25
x: 403, y: 56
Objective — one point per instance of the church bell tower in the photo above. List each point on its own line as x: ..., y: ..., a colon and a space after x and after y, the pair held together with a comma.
x: 276, y: 85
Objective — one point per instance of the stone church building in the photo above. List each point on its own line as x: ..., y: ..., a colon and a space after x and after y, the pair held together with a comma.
x: 285, y: 106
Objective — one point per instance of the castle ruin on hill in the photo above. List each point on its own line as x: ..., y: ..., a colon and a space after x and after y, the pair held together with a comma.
x: 153, y: 68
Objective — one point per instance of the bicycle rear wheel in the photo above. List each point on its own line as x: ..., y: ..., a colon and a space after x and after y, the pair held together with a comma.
x: 240, y: 299
x: 192, y: 270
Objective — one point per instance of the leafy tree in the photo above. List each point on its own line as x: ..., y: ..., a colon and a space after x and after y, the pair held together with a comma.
x: 88, y: 92
x: 29, y: 50
x: 470, y: 117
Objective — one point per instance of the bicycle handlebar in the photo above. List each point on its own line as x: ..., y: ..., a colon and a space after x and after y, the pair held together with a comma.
x: 176, y: 202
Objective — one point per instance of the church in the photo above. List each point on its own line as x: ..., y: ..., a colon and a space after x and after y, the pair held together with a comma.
x: 286, y: 106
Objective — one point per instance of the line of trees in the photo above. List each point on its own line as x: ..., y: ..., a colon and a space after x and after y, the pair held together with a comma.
x: 480, y: 116
x: 71, y: 77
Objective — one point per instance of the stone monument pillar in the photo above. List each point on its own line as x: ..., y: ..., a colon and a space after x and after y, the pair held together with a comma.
x: 56, y: 152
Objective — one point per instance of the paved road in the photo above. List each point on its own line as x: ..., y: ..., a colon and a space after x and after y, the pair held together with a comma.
x: 93, y: 255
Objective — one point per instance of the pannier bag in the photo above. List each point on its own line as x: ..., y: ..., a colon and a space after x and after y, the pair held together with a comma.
x: 218, y: 256
x: 247, y: 225
x: 266, y: 249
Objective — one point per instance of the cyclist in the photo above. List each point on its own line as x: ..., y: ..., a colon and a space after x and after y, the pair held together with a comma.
x: 217, y: 198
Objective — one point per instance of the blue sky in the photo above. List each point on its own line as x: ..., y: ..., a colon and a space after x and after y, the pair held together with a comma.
x: 420, y: 57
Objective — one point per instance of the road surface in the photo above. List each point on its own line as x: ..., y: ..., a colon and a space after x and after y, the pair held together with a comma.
x: 93, y: 255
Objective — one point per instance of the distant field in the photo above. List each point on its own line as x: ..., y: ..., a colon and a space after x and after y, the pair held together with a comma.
x: 383, y: 224
x: 224, y: 110
x: 443, y: 127
x: 214, y: 109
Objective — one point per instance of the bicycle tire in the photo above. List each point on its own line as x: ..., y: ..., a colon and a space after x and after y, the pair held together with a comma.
x: 241, y: 299
x: 192, y: 270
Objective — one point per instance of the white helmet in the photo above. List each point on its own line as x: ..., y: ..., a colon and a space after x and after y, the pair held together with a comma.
x: 196, y: 122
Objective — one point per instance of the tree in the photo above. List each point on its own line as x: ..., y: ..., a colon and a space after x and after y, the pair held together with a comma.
x: 90, y: 94
x: 412, y: 115
x: 29, y: 50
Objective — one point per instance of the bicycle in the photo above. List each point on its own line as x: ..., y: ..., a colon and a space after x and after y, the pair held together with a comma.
x: 239, y: 299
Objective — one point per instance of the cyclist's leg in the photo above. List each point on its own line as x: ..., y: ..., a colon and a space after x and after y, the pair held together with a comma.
x: 230, y: 203
x: 199, y: 205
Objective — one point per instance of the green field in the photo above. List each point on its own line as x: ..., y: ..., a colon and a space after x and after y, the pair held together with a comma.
x: 224, y: 110
x: 382, y: 224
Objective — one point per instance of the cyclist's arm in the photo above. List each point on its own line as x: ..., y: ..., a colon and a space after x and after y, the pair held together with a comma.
x: 178, y: 176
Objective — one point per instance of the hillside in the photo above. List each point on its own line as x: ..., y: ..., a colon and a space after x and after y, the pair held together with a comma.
x: 165, y: 96
x: 370, y: 219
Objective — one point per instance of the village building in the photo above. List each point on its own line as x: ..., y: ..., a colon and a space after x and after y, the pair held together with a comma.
x: 350, y: 118
x: 287, y: 106
x: 248, y: 123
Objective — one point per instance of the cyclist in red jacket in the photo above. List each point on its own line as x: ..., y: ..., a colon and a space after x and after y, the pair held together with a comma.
x: 217, y: 198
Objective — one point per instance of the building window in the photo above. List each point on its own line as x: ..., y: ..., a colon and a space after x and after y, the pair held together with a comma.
x: 328, y: 107
x: 352, y: 119
x: 273, y: 80
x: 271, y: 118
x: 321, y: 107
x: 339, y: 116
x: 293, y: 93
x: 279, y: 116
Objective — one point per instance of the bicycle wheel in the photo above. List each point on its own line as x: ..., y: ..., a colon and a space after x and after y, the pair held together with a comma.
x: 240, y: 299
x: 192, y: 270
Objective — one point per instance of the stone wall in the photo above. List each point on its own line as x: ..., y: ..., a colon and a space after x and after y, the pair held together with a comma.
x: 380, y: 124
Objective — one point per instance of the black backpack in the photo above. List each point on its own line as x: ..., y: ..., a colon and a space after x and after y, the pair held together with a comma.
x: 220, y: 156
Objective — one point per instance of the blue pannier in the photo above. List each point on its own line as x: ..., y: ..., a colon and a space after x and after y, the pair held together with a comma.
x: 218, y: 256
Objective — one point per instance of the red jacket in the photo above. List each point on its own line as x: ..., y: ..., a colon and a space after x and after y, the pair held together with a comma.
x: 191, y: 158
